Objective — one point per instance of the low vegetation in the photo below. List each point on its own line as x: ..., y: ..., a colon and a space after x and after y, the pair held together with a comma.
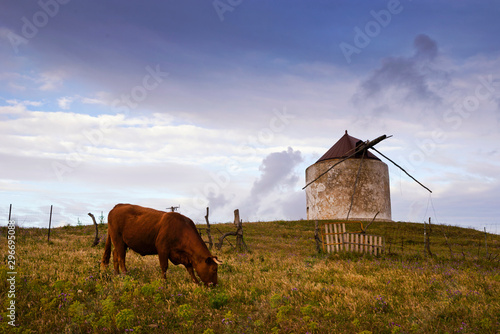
x: 281, y: 285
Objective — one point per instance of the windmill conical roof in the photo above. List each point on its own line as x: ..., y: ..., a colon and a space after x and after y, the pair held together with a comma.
x: 343, y: 148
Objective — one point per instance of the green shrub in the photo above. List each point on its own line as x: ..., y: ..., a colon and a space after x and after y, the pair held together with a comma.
x: 147, y: 290
x: 77, y: 312
x: 185, y: 311
x: 307, y: 310
x: 219, y: 300
x: 105, y: 321
x: 276, y: 300
x: 108, y: 306
x: 125, y: 319
x: 283, y: 311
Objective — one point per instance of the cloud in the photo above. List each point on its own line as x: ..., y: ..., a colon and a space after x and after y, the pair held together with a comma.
x: 216, y: 106
x: 65, y: 102
x: 100, y: 98
x: 51, y: 80
x: 406, y: 79
x: 277, y: 170
x: 13, y: 107
x: 288, y: 206
x: 425, y: 48
x: 217, y: 201
x: 272, y: 189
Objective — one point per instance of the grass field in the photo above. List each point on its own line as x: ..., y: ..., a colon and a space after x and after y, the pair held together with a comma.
x: 281, y: 285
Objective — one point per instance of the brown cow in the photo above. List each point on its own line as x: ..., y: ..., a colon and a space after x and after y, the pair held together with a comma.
x: 171, y: 235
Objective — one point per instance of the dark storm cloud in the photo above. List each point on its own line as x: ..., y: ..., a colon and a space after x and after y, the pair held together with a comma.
x: 408, y: 75
x: 425, y: 48
x: 277, y: 170
x: 277, y: 176
x: 216, y: 201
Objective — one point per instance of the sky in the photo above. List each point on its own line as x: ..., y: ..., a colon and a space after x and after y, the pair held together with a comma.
x: 225, y: 103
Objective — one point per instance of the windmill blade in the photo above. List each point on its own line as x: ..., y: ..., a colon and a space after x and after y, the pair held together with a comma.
x: 307, y: 185
x: 370, y: 144
x: 366, y: 145
x: 395, y: 164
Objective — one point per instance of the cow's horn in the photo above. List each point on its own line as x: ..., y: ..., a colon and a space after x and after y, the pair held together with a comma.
x: 216, y: 260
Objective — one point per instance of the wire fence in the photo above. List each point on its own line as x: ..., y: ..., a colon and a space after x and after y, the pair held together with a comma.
x: 41, y: 216
x: 492, y: 228
x: 412, y: 240
x: 442, y: 240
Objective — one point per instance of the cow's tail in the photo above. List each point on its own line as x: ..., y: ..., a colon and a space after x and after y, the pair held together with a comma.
x: 107, y: 252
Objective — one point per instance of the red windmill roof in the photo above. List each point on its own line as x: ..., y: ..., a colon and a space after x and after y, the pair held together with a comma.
x: 343, y: 148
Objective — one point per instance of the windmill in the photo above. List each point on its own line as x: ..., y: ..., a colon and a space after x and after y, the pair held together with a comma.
x: 359, y: 151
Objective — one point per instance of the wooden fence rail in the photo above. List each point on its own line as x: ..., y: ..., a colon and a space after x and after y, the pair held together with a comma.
x: 336, y: 238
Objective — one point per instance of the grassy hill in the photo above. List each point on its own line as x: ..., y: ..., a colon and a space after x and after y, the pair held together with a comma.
x: 282, y: 285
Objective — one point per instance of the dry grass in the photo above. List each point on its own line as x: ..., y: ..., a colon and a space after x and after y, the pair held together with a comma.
x: 280, y: 286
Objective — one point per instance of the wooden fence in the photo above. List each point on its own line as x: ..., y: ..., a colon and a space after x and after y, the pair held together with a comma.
x: 335, y: 238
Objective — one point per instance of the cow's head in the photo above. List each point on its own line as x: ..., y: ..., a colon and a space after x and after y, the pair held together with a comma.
x: 207, y: 270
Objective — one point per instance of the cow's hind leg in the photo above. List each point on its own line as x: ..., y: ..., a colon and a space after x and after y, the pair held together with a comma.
x: 119, y: 254
x: 116, y: 263
x: 163, y: 264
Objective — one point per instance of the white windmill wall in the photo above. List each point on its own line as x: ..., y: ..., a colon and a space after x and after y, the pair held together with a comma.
x: 329, y: 197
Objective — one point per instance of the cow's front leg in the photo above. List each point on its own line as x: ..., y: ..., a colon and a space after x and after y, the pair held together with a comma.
x: 190, y: 270
x: 163, y: 263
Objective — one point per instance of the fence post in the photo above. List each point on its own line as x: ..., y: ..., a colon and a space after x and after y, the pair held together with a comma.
x: 50, y: 222
x: 335, y: 238
x: 427, y: 239
x: 343, y: 233
x: 447, y: 243
x: 327, y: 237
x: 316, y: 236
x: 486, y: 241
x: 210, y: 242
